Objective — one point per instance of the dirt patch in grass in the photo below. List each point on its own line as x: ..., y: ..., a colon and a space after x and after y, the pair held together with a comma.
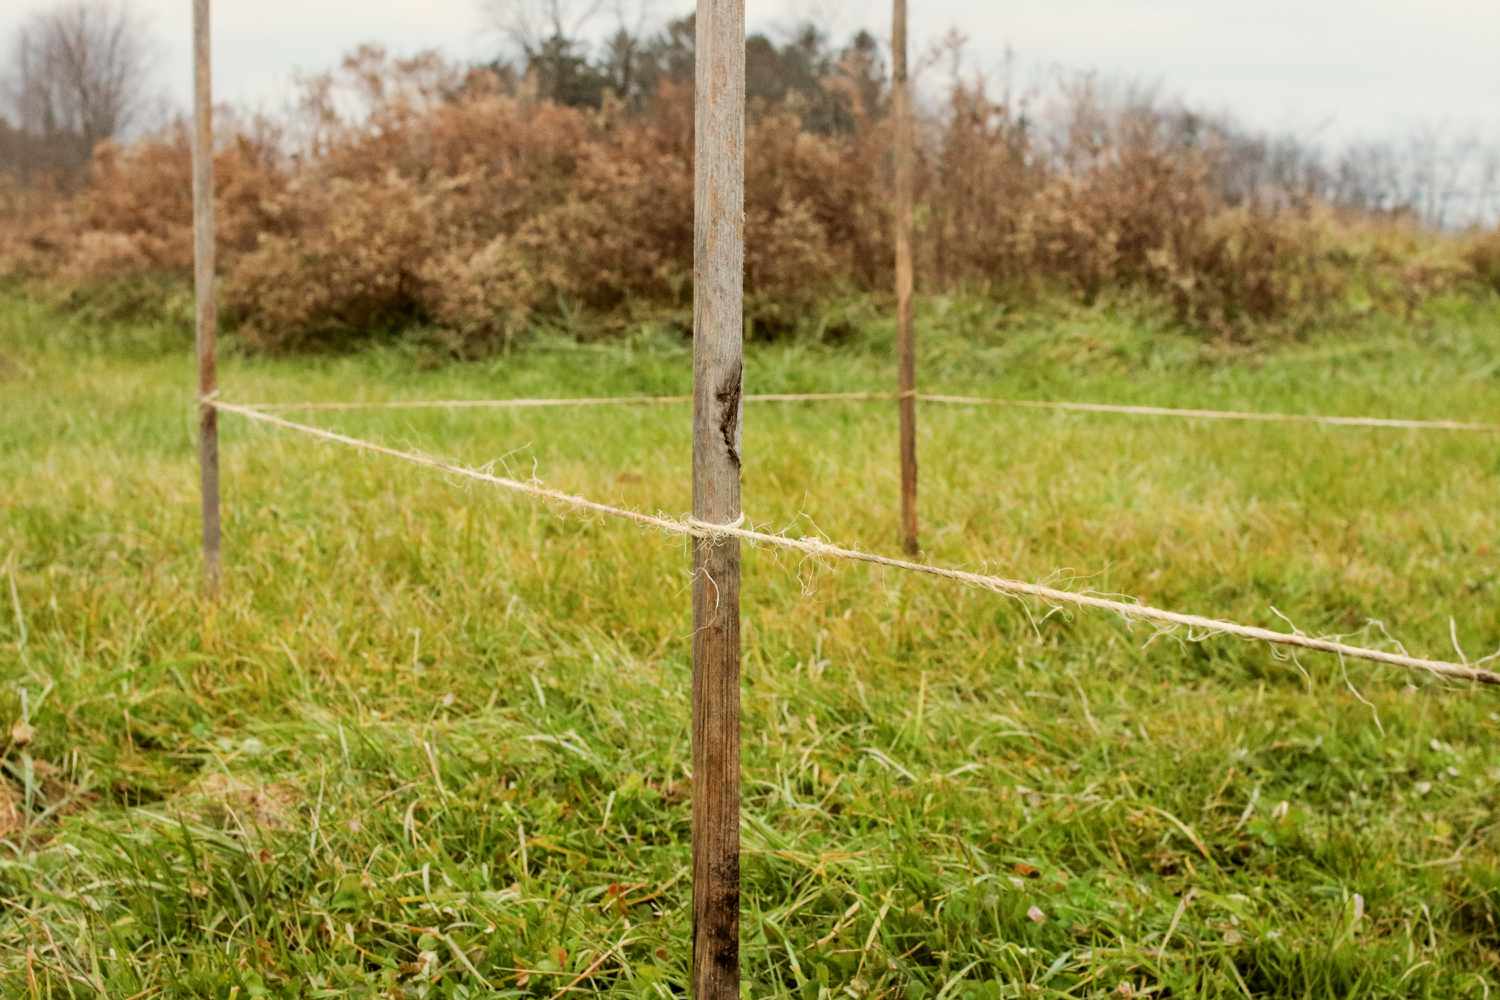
x: 233, y: 802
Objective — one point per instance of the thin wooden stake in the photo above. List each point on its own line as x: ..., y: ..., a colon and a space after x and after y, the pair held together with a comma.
x: 718, y: 375
x: 203, y: 287
x: 904, y: 142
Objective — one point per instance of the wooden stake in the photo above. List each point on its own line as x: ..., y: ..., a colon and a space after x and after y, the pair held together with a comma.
x: 904, y: 142
x: 718, y: 373
x: 203, y: 286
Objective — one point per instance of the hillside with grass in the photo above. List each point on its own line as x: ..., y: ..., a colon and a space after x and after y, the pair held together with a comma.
x: 432, y: 741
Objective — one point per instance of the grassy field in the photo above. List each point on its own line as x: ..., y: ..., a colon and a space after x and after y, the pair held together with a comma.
x: 432, y: 741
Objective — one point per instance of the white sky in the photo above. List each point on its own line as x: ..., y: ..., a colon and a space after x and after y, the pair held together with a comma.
x: 1326, y: 68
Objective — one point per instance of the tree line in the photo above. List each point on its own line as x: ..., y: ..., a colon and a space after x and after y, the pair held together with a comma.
x: 81, y: 72
x: 1441, y: 176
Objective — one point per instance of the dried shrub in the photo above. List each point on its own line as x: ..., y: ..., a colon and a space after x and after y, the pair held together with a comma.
x: 981, y: 195
x: 481, y: 298
x: 444, y: 200
x: 1483, y: 256
x: 1393, y: 264
x: 1244, y: 268
x: 789, y: 264
x: 353, y: 265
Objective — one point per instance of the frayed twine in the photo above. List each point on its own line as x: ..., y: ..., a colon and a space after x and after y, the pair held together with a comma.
x: 1195, y: 624
x: 715, y: 533
x: 1187, y: 413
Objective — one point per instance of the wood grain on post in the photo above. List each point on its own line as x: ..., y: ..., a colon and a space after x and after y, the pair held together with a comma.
x: 203, y: 286
x: 718, y: 372
x: 904, y: 141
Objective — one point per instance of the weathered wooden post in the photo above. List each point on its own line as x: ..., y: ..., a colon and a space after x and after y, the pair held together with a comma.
x: 904, y: 141
x: 203, y: 287
x: 718, y: 372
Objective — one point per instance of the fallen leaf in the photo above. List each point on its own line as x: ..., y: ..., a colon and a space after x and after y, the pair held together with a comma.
x: 10, y: 810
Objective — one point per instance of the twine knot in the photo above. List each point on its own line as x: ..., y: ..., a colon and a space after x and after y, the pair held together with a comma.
x: 711, y: 530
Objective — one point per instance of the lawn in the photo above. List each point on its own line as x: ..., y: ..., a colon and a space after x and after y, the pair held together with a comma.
x: 432, y: 739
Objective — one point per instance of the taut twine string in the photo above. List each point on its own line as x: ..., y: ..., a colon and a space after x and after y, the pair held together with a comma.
x: 1254, y: 416
x: 813, y: 547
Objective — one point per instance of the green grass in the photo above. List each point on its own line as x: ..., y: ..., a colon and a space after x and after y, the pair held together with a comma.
x: 433, y: 739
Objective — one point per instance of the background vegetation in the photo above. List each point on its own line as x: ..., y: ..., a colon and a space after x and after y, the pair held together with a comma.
x: 473, y: 203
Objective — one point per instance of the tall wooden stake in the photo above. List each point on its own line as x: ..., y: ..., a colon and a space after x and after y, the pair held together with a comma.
x: 718, y: 373
x: 905, y: 141
x: 203, y: 286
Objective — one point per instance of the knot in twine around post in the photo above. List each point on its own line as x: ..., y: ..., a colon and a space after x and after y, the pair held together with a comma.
x: 715, y: 533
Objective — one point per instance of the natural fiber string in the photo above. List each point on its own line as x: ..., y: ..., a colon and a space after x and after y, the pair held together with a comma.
x: 1168, y: 411
x: 709, y: 529
x: 813, y: 547
x: 506, y: 404
x: 926, y: 397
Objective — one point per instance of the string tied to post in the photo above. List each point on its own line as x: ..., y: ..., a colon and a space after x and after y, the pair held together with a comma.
x: 715, y: 533
x: 1196, y: 624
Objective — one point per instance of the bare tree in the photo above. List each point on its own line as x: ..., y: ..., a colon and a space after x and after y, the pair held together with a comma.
x: 575, y: 51
x: 623, y: 50
x: 529, y: 25
x: 80, y: 73
x: 1487, y: 192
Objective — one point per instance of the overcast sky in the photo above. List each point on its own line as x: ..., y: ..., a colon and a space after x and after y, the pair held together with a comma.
x: 1331, y: 68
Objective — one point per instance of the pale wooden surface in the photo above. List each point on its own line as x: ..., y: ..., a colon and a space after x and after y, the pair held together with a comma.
x: 203, y: 285
x: 904, y: 140
x: 718, y: 332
